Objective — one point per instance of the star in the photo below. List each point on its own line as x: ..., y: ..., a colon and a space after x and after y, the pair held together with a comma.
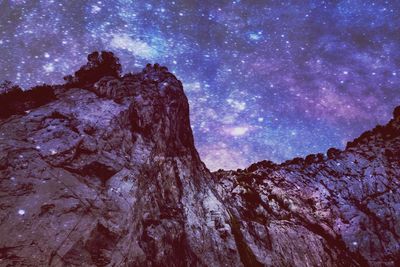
x: 254, y: 72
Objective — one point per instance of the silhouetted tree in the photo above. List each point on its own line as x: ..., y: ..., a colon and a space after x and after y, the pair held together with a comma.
x: 333, y: 153
x: 9, y: 97
x: 13, y: 100
x: 98, y: 66
x: 7, y: 86
x: 396, y: 112
x: 40, y: 95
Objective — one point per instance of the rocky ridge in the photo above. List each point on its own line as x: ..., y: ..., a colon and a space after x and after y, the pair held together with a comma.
x: 103, y: 171
x: 345, y: 203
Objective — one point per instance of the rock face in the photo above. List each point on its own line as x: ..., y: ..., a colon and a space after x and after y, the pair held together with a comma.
x: 108, y: 176
x: 342, y: 209
x: 103, y: 172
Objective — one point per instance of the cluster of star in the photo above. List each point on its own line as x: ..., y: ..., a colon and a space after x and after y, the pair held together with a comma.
x: 265, y: 79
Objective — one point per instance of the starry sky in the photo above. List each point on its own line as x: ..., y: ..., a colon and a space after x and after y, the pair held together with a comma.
x: 265, y: 79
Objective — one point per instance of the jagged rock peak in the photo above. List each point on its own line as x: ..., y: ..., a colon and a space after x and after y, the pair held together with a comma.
x: 105, y: 173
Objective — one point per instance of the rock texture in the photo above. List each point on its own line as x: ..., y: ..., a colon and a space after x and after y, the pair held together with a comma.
x: 102, y: 171
x: 107, y: 175
x: 339, y: 209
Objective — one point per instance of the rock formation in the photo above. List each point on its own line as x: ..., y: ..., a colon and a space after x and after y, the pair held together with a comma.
x: 103, y: 171
x: 342, y: 209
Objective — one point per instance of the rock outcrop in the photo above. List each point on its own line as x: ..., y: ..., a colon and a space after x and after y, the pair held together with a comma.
x: 108, y: 175
x: 103, y: 171
x: 342, y: 209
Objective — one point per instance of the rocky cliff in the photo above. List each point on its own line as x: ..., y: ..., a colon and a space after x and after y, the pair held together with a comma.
x: 102, y: 171
x: 338, y: 209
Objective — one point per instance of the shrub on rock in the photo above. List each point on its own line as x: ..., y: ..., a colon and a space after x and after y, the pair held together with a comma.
x: 98, y: 66
x: 396, y: 112
x: 13, y: 100
x: 332, y: 153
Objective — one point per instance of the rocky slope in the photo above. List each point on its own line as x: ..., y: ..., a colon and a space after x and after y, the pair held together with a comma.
x: 102, y: 171
x: 339, y: 209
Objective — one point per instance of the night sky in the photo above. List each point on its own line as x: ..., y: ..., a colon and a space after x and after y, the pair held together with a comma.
x: 265, y: 79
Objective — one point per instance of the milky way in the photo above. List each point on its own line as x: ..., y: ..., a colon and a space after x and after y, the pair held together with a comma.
x: 265, y: 79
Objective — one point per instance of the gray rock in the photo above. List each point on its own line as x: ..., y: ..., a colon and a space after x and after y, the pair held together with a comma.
x: 108, y: 175
x: 340, y: 210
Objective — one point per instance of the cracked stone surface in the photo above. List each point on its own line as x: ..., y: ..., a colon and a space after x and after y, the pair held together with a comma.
x: 339, y: 209
x: 107, y: 174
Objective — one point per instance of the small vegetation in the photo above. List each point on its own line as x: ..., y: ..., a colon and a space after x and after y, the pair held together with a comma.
x: 13, y: 100
x: 333, y: 153
x: 99, y: 65
x: 396, y: 112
